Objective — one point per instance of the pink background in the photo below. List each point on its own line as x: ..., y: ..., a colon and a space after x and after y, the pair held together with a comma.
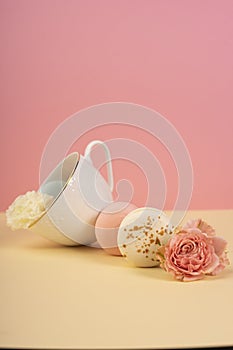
x: 176, y: 57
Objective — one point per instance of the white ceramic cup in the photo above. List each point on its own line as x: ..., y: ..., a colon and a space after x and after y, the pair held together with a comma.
x: 79, y: 194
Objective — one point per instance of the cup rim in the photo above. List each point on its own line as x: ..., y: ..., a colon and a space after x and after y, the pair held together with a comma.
x: 63, y: 187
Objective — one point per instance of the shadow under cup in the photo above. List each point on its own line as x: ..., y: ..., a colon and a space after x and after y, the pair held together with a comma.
x: 78, y: 193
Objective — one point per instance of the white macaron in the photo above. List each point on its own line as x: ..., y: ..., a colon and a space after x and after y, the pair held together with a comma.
x: 140, y: 235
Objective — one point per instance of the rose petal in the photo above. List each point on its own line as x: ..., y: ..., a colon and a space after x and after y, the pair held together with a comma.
x: 193, y: 278
x: 193, y: 230
x: 219, y: 245
x: 217, y: 270
x: 201, y: 225
x: 213, y: 264
x: 223, y: 262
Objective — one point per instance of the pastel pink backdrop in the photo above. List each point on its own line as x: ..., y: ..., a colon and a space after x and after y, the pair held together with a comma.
x: 60, y: 56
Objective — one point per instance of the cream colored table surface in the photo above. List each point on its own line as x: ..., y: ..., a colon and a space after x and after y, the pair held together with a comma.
x: 59, y: 297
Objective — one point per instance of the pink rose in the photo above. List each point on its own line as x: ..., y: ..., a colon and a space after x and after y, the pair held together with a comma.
x: 191, y: 254
x: 201, y: 225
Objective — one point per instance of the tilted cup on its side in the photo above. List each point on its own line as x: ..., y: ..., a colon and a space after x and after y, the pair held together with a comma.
x: 79, y: 194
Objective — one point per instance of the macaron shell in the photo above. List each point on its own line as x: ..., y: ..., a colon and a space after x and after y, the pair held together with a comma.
x: 107, y: 225
x: 140, y: 235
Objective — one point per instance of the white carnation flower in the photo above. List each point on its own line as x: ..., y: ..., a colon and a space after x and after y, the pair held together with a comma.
x: 26, y: 209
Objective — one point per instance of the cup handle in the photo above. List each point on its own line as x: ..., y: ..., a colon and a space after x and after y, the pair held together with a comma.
x: 87, y: 155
